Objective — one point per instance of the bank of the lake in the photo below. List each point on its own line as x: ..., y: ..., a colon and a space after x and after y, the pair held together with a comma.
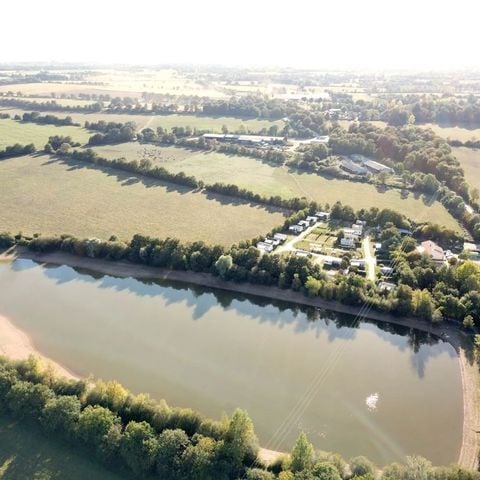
x: 446, y: 332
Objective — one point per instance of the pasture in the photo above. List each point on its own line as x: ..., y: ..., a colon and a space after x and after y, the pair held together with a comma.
x: 12, y: 131
x: 270, y: 180
x: 25, y: 453
x: 469, y: 158
x: 44, y: 195
x: 454, y: 133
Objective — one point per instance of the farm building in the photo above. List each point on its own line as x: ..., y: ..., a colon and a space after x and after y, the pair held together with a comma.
x: 323, y: 215
x: 347, y: 242
x: 245, y: 139
x: 434, y: 251
x: 267, y: 247
x: 386, y: 286
x: 386, y: 270
x: 281, y: 237
x: 353, y: 168
x: 311, y: 220
x: 296, y: 229
x: 332, y: 261
x: 374, y: 167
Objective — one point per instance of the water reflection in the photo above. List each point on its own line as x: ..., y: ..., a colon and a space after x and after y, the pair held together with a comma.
x: 201, y: 300
x: 292, y: 367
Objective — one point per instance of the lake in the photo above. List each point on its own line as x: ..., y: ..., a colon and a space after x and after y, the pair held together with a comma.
x: 357, y: 389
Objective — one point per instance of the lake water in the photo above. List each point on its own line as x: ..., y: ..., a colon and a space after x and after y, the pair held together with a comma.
x: 373, y: 390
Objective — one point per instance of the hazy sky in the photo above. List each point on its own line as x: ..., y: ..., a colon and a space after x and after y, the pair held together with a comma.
x: 300, y: 33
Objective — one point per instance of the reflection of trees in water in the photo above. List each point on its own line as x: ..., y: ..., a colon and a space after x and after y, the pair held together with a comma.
x: 201, y: 300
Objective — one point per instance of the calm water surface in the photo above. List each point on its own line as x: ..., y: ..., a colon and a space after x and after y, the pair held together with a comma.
x: 373, y: 390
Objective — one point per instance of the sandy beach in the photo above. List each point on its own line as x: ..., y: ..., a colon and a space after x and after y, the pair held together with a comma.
x: 15, y: 345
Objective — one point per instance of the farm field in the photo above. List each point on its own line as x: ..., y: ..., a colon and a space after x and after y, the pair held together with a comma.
x: 38, y: 194
x: 166, y: 121
x: 469, y: 158
x: 12, y: 132
x: 454, y: 133
x: 26, y: 454
x: 271, y: 180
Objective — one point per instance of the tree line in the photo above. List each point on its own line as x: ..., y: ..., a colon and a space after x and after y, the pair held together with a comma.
x: 111, y: 132
x: 35, y: 117
x: 17, y: 150
x: 49, y: 105
x: 135, y: 435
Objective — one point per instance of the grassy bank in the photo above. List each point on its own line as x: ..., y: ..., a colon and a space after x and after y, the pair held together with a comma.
x: 25, y: 453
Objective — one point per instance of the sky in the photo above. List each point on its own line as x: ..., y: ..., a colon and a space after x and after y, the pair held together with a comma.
x: 338, y: 34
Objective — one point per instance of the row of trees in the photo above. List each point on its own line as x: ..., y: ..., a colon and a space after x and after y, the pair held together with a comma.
x: 127, y: 432
x: 35, y: 117
x: 111, y: 132
x: 133, y: 434
x: 17, y: 150
x: 48, y: 105
x: 244, y: 263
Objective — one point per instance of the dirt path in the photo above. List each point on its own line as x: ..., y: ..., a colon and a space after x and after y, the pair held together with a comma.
x: 468, y: 456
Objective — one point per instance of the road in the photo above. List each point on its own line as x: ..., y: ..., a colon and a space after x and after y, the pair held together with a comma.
x: 370, y: 259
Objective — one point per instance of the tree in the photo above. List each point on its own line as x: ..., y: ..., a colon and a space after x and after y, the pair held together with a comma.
x: 313, y: 286
x: 27, y: 400
x: 361, y: 466
x: 325, y: 471
x: 94, y: 423
x: 302, y: 454
x: 240, y: 438
x: 61, y: 414
x: 139, y: 447
x: 468, y: 322
x: 223, y: 265
x: 171, y: 446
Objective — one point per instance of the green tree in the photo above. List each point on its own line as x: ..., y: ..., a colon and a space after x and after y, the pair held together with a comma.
x: 223, y: 265
x: 61, y: 414
x: 302, y: 454
x: 171, y: 446
x: 139, y: 447
x: 361, y: 466
x: 94, y: 423
x: 325, y: 471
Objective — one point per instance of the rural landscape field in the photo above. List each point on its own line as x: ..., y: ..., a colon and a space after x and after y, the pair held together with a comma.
x: 236, y: 244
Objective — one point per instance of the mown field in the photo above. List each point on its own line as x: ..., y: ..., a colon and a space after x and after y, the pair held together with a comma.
x: 12, y: 131
x: 271, y: 180
x: 40, y: 194
x: 470, y: 161
x: 166, y: 121
x: 454, y: 133
x: 25, y: 454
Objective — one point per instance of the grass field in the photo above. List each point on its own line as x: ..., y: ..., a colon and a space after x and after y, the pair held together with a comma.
x: 469, y: 158
x: 166, y: 121
x: 25, y: 454
x: 12, y: 132
x: 454, y: 133
x: 38, y: 194
x: 270, y: 180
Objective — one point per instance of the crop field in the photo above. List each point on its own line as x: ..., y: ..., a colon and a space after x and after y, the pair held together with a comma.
x: 166, y: 121
x: 272, y: 180
x: 39, y: 194
x: 454, y: 133
x: 26, y: 454
x: 12, y: 131
x: 469, y: 158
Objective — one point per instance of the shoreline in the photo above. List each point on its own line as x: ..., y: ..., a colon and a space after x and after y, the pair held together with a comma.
x: 470, y: 376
